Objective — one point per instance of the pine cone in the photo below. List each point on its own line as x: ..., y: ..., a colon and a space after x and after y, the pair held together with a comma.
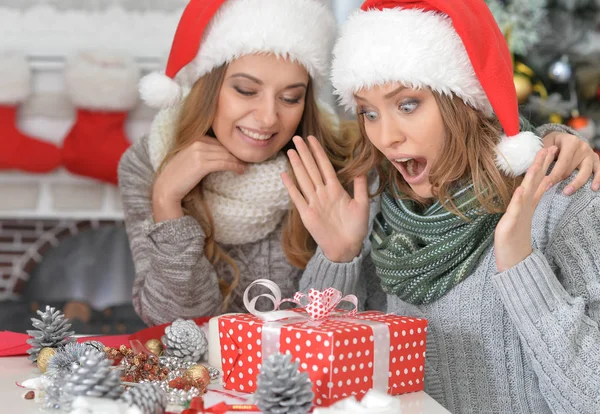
x: 97, y: 345
x: 66, y: 359
x: 94, y: 377
x: 184, y: 339
x: 281, y: 388
x: 52, y: 331
x: 149, y: 398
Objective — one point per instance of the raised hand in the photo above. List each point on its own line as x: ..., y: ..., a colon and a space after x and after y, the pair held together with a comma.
x: 573, y: 153
x: 185, y: 170
x: 512, y: 240
x: 336, y: 221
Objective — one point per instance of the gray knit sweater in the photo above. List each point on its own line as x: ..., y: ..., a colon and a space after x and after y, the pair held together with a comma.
x: 174, y: 279
x: 522, y: 341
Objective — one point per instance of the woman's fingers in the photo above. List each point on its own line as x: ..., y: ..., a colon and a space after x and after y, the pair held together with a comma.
x: 534, y: 174
x: 326, y: 168
x: 585, y: 171
x: 563, y: 167
x: 302, y: 177
x: 596, y: 180
x: 309, y: 162
x: 294, y: 193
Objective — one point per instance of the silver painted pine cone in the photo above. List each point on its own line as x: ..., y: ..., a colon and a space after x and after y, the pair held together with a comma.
x: 185, y: 340
x: 281, y: 388
x: 52, y: 331
x: 148, y: 397
x: 94, y: 377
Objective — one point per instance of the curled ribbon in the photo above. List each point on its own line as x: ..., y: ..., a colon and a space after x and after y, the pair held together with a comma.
x: 318, y: 304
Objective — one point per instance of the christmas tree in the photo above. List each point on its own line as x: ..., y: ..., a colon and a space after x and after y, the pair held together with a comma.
x: 556, y: 48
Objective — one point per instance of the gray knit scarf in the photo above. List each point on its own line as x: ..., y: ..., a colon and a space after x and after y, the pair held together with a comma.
x: 419, y: 257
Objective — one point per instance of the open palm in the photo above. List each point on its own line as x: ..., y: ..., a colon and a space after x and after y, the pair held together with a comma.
x: 512, y: 239
x: 337, y: 222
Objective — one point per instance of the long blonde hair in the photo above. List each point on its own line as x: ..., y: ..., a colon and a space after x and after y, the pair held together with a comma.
x: 195, y: 120
x: 469, y: 156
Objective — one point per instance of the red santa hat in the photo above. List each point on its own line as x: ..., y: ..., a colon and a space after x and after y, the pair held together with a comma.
x: 449, y: 46
x: 214, y: 32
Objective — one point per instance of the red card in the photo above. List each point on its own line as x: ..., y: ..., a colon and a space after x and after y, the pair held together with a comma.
x: 15, y: 344
x: 156, y: 332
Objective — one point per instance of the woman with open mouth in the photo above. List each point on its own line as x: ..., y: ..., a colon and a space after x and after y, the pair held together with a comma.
x: 504, y: 266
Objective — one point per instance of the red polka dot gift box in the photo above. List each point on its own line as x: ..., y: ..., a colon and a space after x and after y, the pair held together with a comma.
x: 344, y: 354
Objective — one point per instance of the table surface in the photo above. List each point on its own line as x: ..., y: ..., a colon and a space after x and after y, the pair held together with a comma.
x: 17, y: 369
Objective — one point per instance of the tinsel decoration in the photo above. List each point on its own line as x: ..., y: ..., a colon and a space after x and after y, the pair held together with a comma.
x: 175, y: 364
x: 175, y: 396
x: 67, y: 359
x: 140, y: 366
x: 149, y: 398
x: 186, y: 383
x: 184, y: 339
x: 179, y: 389
x: 54, y: 397
x: 281, y: 388
x: 94, y: 377
x: 522, y: 21
x: 52, y: 331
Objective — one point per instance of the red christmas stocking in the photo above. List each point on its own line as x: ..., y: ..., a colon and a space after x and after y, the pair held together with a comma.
x: 103, y: 87
x: 17, y: 150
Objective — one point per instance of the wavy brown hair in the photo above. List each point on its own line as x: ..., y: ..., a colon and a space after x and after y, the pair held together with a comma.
x: 469, y: 156
x: 195, y: 120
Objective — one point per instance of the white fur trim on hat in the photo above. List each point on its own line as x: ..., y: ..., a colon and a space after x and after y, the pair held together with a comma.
x: 514, y: 155
x: 302, y: 31
x: 15, y: 78
x: 102, y: 80
x: 409, y: 46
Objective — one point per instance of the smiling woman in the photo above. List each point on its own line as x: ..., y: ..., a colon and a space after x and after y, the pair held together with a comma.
x: 205, y: 207
x: 260, y: 106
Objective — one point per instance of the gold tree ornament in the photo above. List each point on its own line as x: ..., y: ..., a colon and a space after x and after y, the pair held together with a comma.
x: 198, y: 373
x: 43, y: 358
x: 523, y: 86
x: 155, y: 346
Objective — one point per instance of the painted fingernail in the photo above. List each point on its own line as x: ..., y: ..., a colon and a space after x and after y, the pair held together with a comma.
x: 569, y: 190
x: 596, y: 186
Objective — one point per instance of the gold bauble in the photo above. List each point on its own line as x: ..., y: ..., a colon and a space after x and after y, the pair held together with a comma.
x: 555, y: 119
x: 155, y: 346
x: 199, y: 373
x: 523, y: 86
x: 43, y: 358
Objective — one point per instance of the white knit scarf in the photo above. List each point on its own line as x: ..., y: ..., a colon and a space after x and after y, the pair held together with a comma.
x: 245, y: 208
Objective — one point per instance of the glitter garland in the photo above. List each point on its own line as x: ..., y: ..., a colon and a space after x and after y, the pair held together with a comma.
x: 174, y: 363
